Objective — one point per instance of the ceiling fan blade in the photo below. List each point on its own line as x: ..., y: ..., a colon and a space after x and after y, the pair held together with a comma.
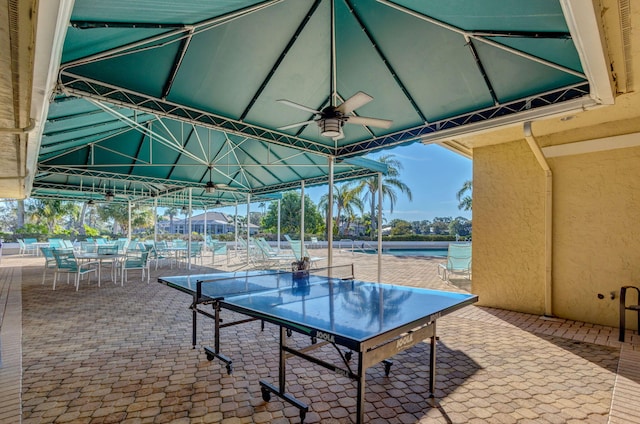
x: 299, y: 124
x: 298, y: 106
x: 369, y: 122
x: 354, y: 102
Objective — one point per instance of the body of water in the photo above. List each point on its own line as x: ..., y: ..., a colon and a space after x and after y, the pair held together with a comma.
x: 411, y: 252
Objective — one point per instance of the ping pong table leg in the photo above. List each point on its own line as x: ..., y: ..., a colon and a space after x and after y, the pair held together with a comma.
x: 432, y: 363
x: 267, y: 388
x: 215, y: 352
x: 194, y: 319
x: 361, y: 386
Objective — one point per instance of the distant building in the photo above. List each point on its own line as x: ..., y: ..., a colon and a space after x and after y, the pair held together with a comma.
x: 216, y: 222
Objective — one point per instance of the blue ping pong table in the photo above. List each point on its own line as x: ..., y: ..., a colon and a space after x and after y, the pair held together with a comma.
x: 376, y: 321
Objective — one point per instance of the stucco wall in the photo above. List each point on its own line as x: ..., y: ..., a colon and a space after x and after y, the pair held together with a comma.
x: 508, y: 228
x: 596, y: 233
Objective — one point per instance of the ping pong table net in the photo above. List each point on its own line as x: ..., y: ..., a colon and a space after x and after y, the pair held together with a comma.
x: 342, y: 272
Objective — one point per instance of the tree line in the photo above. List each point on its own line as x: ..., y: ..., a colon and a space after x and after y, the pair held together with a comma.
x: 355, y: 207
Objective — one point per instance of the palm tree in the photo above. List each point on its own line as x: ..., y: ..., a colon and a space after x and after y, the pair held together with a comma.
x: 465, y: 200
x: 390, y: 182
x: 52, y: 211
x: 172, y: 212
x: 345, y: 198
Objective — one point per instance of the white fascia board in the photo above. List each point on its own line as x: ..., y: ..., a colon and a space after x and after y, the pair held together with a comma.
x: 584, y: 27
x: 53, y: 18
x: 592, y: 146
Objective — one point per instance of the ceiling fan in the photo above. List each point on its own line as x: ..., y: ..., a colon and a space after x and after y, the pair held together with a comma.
x: 210, y: 187
x: 331, y: 119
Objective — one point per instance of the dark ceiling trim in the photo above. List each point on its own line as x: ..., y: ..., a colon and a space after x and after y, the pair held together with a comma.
x: 180, y: 152
x: 48, y: 147
x: 138, y: 150
x: 521, y: 34
x: 80, y: 86
x: 459, y: 122
x: 111, y: 24
x: 386, y: 62
x: 486, y: 38
x: 483, y: 72
x: 278, y: 61
x: 175, y: 66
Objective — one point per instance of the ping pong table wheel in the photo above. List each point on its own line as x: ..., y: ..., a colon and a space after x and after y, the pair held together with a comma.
x: 348, y: 355
x: 229, y: 369
x: 209, y: 356
x: 289, y: 332
x: 266, y: 395
x: 303, y: 415
x: 387, y: 368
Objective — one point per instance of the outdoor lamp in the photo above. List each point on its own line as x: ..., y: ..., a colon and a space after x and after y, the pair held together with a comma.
x: 210, y: 187
x: 330, y: 127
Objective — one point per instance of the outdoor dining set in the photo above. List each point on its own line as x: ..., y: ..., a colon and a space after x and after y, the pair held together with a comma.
x: 102, y: 257
x: 115, y: 258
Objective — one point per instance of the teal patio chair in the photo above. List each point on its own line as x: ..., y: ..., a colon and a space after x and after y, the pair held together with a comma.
x: 66, y: 263
x: 55, y: 243
x: 113, y: 260
x: 50, y: 261
x: 161, y: 252
x: 135, y: 259
x: 194, y: 252
x: 217, y: 248
x: 30, y: 247
x: 270, y: 256
x: 300, y: 251
x: 458, y: 261
x: 23, y: 247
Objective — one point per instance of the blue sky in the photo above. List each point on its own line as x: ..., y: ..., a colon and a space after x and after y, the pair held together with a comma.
x: 434, y: 175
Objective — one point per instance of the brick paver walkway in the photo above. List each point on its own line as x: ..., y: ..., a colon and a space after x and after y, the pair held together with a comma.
x: 123, y: 354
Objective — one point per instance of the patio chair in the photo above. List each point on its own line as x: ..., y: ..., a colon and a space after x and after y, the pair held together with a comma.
x: 66, y: 263
x: 111, y: 263
x: 50, y: 261
x: 88, y: 247
x: 135, y: 260
x: 270, y: 256
x: 194, y: 252
x: 218, y: 248
x: 66, y: 244
x: 55, y: 243
x: 256, y: 259
x: 22, y: 246
x: 300, y: 251
x: 30, y: 246
x: 123, y: 244
x: 458, y: 261
x: 161, y: 252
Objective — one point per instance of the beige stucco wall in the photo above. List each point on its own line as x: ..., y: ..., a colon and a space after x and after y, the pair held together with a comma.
x: 596, y: 231
x: 508, y: 228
